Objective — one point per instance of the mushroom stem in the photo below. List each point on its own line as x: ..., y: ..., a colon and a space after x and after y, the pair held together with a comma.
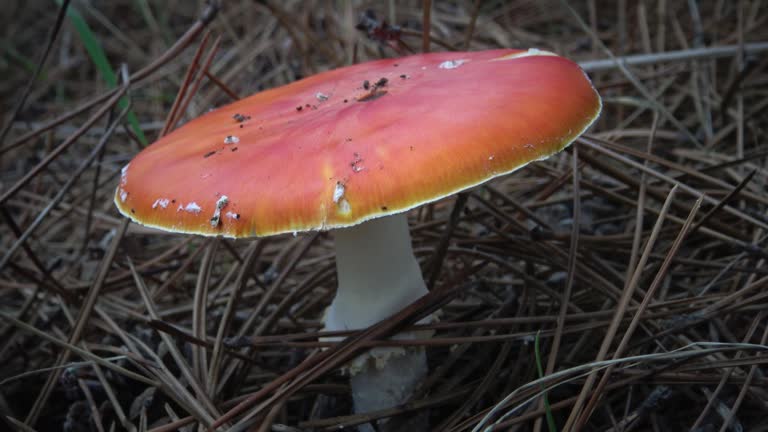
x: 378, y: 275
x: 377, y: 272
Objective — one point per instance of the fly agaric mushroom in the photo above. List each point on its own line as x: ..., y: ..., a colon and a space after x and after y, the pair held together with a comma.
x: 351, y: 150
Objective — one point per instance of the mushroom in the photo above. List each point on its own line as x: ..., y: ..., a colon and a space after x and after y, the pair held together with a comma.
x: 385, y: 137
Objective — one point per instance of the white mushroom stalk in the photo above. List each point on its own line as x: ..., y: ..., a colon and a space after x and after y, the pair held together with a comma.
x: 378, y: 275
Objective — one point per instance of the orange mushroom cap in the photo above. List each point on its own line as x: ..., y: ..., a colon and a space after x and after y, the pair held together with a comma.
x: 358, y: 142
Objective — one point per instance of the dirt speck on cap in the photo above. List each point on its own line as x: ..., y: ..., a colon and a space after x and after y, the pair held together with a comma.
x: 344, y: 207
x: 220, y: 204
x: 451, y: 64
x: 192, y: 207
x: 161, y: 202
x: 357, y: 163
x: 338, y: 192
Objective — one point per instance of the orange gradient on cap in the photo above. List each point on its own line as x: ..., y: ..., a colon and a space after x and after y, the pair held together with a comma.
x: 359, y: 142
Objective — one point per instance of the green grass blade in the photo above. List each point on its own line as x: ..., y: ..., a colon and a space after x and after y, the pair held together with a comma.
x: 547, y: 409
x: 99, y: 59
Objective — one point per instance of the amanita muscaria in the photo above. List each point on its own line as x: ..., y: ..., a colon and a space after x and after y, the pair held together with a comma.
x: 351, y: 150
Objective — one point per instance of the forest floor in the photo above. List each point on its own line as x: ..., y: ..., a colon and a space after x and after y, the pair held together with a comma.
x: 619, y: 285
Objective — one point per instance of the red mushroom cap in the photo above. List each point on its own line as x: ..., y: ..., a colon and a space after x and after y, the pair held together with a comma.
x: 359, y: 142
